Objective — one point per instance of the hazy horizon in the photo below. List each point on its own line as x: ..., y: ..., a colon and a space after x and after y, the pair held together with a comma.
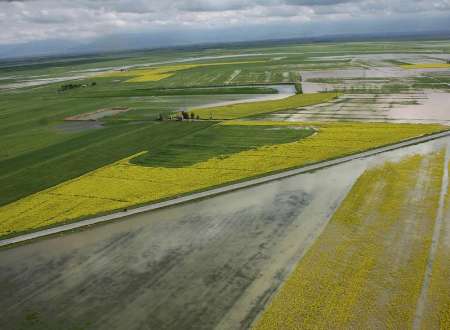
x: 36, y: 27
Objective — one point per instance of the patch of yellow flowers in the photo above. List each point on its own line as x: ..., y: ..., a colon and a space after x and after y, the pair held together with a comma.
x: 123, y: 184
x: 437, y: 311
x: 149, y: 74
x: 426, y: 66
x: 159, y: 73
x: 366, y: 269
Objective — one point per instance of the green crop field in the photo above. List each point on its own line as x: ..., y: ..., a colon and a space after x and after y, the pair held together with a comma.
x: 350, y: 245
x: 175, y: 91
x: 255, y: 108
x: 47, y: 166
x: 40, y: 149
x: 219, y: 140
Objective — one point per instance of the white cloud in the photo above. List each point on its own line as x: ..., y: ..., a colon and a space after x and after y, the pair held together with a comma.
x: 33, y: 20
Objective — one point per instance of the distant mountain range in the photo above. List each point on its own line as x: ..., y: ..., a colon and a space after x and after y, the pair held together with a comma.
x: 132, y: 42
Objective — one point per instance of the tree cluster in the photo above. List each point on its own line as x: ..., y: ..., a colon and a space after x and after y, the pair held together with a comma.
x: 67, y: 87
x: 180, y: 116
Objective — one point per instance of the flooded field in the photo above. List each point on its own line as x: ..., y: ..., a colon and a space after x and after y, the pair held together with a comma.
x: 283, y: 92
x: 412, y: 107
x: 377, y: 89
x: 371, y: 266
x: 372, y: 71
x: 212, y: 263
x: 427, y: 56
x: 218, y: 262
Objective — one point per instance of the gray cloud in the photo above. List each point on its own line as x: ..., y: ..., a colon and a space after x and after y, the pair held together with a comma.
x: 87, y: 20
x: 316, y: 3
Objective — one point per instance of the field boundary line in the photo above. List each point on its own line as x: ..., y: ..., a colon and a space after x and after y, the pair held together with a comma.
x: 421, y: 301
x: 216, y: 191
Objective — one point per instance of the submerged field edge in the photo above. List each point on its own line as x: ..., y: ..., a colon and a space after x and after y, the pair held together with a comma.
x: 437, y: 224
x: 212, y: 191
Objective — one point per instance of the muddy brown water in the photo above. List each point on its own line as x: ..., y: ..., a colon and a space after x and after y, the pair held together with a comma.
x: 208, y: 264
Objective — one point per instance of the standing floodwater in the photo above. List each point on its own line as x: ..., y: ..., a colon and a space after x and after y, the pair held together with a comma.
x: 204, y: 264
x: 283, y: 92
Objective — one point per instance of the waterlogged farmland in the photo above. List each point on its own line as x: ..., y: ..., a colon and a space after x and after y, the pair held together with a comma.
x: 363, y: 271
x: 209, y: 264
x: 360, y: 244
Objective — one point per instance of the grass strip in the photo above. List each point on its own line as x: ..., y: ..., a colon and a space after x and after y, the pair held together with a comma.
x: 240, y: 110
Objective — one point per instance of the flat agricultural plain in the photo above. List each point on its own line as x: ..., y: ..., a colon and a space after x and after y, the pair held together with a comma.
x: 363, y: 271
x: 363, y: 244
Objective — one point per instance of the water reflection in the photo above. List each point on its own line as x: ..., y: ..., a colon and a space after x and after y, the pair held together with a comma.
x: 198, y: 265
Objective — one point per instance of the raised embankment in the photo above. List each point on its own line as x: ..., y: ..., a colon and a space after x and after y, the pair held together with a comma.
x: 216, y: 191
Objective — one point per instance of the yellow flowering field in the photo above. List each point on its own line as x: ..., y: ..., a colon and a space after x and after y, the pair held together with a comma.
x: 437, y: 310
x: 149, y: 74
x: 366, y: 269
x: 159, y: 73
x: 426, y: 66
x: 238, y: 110
x: 123, y: 184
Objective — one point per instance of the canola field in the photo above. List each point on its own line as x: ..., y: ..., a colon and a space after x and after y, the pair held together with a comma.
x: 426, y: 66
x: 239, y: 110
x: 366, y: 269
x: 437, y: 307
x: 150, y: 74
x: 159, y: 73
x: 124, y: 184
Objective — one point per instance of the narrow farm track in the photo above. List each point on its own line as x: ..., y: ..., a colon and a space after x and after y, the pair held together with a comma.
x: 211, y: 263
x: 216, y: 191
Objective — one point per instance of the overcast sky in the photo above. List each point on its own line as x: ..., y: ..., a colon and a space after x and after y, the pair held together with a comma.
x: 176, y: 21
